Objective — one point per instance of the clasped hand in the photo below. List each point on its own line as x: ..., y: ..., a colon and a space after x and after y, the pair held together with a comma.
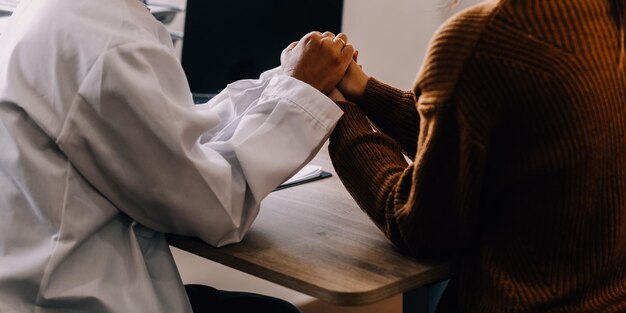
x: 326, y: 62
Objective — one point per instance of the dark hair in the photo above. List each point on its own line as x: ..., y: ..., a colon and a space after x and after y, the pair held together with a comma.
x: 618, y: 10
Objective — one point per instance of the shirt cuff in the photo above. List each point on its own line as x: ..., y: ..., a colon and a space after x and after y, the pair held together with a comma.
x: 311, y: 100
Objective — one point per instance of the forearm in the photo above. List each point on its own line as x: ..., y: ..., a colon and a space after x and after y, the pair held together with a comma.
x: 185, y: 169
x: 394, y: 112
x: 370, y: 164
x: 411, y: 204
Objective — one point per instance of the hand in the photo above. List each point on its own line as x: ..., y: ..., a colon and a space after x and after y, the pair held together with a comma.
x: 337, y: 96
x: 319, y: 60
x: 353, y: 84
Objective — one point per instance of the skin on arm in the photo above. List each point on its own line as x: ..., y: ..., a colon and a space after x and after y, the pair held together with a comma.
x: 354, y: 82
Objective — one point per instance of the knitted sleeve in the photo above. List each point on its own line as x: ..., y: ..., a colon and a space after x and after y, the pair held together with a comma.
x: 411, y: 204
x: 393, y: 112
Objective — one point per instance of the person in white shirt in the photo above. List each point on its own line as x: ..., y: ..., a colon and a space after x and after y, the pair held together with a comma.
x: 103, y: 151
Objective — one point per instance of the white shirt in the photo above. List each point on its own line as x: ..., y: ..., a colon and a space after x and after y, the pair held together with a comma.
x: 103, y: 151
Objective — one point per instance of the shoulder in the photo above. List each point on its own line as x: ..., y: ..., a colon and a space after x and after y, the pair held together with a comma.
x: 90, y: 27
x: 451, y: 46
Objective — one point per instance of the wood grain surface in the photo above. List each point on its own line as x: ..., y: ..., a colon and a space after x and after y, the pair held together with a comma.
x: 313, y: 238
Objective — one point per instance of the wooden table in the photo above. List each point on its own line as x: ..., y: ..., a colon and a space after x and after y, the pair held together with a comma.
x: 313, y: 238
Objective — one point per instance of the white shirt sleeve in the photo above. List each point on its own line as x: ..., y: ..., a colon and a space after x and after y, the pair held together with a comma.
x: 135, y: 135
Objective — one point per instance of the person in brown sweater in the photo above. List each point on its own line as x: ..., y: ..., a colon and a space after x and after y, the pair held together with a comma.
x: 517, y: 130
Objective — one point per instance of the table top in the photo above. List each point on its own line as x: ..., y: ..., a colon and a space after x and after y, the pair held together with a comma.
x: 313, y: 238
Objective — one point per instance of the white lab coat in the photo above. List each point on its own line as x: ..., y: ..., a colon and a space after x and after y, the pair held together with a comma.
x: 102, y: 151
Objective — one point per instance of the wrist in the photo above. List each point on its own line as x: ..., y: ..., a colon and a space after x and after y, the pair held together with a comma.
x: 356, y: 89
x: 361, y: 86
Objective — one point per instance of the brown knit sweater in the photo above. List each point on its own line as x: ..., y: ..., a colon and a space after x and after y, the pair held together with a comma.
x: 517, y: 129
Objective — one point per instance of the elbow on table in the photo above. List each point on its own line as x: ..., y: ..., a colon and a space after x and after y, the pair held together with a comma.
x: 231, y: 229
x: 432, y: 245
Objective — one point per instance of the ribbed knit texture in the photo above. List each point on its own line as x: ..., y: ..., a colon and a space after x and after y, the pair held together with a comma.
x: 518, y: 137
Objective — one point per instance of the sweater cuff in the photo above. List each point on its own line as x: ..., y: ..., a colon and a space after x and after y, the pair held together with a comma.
x: 352, y: 123
x: 378, y: 97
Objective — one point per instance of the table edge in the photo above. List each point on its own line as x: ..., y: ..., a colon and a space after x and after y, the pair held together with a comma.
x: 437, y: 273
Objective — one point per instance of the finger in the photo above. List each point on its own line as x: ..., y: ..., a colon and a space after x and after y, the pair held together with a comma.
x: 328, y: 38
x: 313, y: 36
x: 341, y: 40
x: 343, y: 36
x: 347, y: 53
x: 328, y: 34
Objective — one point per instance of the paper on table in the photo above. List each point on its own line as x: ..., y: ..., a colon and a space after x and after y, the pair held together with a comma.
x: 308, y: 174
x: 7, y: 7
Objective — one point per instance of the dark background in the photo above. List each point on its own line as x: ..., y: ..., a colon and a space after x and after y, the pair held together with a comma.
x: 228, y: 40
